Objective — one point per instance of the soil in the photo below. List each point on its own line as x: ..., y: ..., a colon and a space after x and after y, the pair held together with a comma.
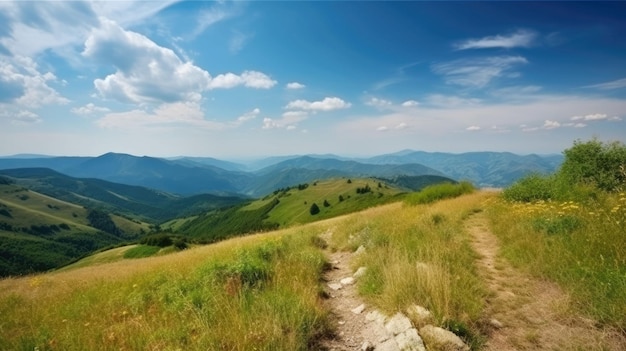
x: 526, y: 313
x: 522, y: 312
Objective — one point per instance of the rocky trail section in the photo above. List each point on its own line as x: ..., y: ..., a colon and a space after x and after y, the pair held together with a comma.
x: 526, y: 313
x: 360, y: 327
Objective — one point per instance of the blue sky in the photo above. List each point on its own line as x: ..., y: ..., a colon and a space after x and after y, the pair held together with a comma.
x: 248, y: 79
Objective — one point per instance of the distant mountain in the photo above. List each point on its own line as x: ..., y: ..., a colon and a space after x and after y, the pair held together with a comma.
x: 306, y: 168
x: 497, y: 169
x: 149, y: 204
x: 209, y: 161
x: 197, y: 175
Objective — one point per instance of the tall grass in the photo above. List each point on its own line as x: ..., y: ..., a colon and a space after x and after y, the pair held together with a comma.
x: 581, y: 246
x: 438, y: 192
x: 420, y: 255
x: 256, y: 293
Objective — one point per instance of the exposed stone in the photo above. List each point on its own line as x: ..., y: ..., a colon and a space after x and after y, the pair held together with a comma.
x: 398, y: 324
x: 495, y: 323
x: 367, y: 346
x: 375, y: 316
x: 439, y: 339
x: 419, y: 315
x: 335, y: 286
x: 347, y: 281
x: 358, y: 309
x: 360, y: 250
x: 409, y: 340
x: 388, y: 345
x: 359, y: 272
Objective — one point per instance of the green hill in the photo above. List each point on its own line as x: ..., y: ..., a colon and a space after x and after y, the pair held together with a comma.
x: 39, y: 232
x: 292, y: 205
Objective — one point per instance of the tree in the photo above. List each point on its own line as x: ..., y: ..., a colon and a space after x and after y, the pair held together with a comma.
x: 340, y: 198
x: 600, y: 164
x: 349, y: 181
x: 314, y: 209
x: 326, y: 203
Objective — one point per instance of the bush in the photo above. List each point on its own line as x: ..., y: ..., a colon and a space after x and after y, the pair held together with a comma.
x: 533, y: 187
x: 439, y: 192
x: 314, y: 209
x: 600, y: 164
x: 160, y: 240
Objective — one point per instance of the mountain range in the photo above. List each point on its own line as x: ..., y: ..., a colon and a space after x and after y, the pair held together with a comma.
x: 197, y: 175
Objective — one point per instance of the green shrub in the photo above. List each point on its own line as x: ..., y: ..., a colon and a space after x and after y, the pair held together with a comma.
x: 533, y: 187
x: 141, y: 251
x: 438, y: 192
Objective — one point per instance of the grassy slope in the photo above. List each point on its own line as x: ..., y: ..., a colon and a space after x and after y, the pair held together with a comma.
x: 294, y: 206
x: 35, y: 251
x: 259, y: 291
x: 262, y: 291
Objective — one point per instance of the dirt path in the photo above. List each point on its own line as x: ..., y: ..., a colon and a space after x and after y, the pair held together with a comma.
x: 527, y: 313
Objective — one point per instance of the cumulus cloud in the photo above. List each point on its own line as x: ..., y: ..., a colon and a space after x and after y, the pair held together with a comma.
x: 328, y: 104
x: 88, y: 109
x: 473, y: 128
x: 379, y: 103
x: 22, y: 82
x: 520, y: 38
x: 295, y: 85
x: 478, y: 72
x: 382, y: 129
x: 548, y: 124
x: 148, y: 73
x: 410, y: 103
x: 289, y: 120
x: 250, y: 79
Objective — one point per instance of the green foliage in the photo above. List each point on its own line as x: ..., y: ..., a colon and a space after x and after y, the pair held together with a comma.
x: 225, y: 223
x: 5, y: 181
x: 141, y: 251
x: 589, y: 169
x: 102, y: 221
x: 597, y: 163
x: 533, y: 187
x: 314, y: 209
x: 364, y: 190
x: 438, y: 192
x: 326, y: 203
x: 160, y: 240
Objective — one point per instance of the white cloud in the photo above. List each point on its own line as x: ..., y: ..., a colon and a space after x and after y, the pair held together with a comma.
x: 478, y: 72
x: 410, y: 103
x: 548, y: 124
x: 148, y: 73
x: 379, y: 103
x: 401, y: 125
x: 382, y: 129
x: 187, y: 113
x: 250, y: 79
x: 521, y: 38
x: 248, y: 116
x: 22, y: 83
x: 590, y: 117
x: 20, y: 117
x: 328, y: 104
x: 615, y: 84
x: 615, y: 119
x: 88, y: 109
x: 295, y: 85
x: 289, y: 120
x: 473, y: 128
